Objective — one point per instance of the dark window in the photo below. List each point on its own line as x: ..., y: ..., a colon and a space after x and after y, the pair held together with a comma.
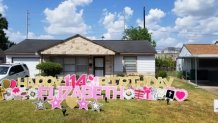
x: 13, y: 70
x: 25, y: 66
x: 3, y: 70
x: 19, y: 68
x: 130, y: 64
x: 16, y: 69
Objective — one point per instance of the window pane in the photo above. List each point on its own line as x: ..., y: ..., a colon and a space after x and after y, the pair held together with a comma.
x: 130, y: 64
x: 82, y: 68
x: 58, y: 60
x: 82, y: 60
x: 70, y: 60
x: 68, y: 68
x: 99, y: 62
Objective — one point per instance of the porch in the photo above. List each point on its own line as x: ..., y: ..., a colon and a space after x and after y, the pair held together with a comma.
x: 200, y: 70
x: 97, y: 65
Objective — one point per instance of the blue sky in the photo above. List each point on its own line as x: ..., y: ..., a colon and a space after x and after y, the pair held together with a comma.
x: 172, y: 23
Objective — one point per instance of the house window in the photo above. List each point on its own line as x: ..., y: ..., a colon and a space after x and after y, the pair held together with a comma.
x: 82, y: 65
x: 130, y: 64
x: 69, y: 65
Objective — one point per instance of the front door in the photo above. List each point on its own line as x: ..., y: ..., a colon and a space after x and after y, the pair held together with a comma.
x: 99, y: 66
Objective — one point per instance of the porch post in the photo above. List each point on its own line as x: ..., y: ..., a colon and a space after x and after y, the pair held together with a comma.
x: 196, y: 73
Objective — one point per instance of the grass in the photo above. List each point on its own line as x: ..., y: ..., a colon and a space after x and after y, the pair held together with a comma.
x: 197, y: 109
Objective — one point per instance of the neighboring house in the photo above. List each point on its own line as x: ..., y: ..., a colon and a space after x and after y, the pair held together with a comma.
x: 2, y: 56
x: 79, y: 55
x: 199, y: 62
x: 171, y: 52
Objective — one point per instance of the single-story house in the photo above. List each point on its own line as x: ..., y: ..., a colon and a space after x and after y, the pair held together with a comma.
x: 2, y: 56
x: 199, y: 62
x: 79, y: 54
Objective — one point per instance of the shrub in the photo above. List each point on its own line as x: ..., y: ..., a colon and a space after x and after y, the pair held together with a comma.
x: 121, y: 74
x: 162, y: 74
x: 179, y: 74
x: 49, y: 68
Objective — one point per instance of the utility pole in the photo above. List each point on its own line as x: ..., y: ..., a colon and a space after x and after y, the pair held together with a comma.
x: 124, y: 21
x: 144, y: 16
x: 27, y: 24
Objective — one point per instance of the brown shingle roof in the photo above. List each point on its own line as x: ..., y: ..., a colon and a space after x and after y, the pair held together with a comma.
x: 199, y: 49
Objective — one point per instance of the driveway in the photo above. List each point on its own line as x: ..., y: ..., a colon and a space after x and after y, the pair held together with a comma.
x: 212, y: 89
x: 207, y: 85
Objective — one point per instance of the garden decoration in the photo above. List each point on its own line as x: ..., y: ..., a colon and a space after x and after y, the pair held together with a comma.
x: 181, y: 95
x: 96, y: 106
x: 55, y: 103
x: 40, y: 105
x: 77, y: 91
x: 83, y: 104
x: 71, y: 101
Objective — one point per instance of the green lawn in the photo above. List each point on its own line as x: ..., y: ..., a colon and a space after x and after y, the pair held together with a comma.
x: 197, y: 109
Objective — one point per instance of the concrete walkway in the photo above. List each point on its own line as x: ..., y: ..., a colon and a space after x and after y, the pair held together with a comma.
x: 212, y: 89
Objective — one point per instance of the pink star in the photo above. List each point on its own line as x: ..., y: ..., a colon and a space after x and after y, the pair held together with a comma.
x: 83, y: 104
x: 55, y: 103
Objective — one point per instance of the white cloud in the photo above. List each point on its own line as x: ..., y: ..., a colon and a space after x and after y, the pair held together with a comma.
x: 154, y: 16
x: 128, y: 11
x: 114, y: 23
x: 195, y: 7
x: 162, y: 35
x: 3, y: 8
x: 66, y: 19
x: 16, y: 36
x: 197, y: 20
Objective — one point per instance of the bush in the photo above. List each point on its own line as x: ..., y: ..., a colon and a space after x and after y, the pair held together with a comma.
x: 49, y: 68
x: 162, y: 74
x: 179, y: 74
x: 121, y: 75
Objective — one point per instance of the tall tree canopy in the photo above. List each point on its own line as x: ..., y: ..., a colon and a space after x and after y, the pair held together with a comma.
x: 4, y: 42
x: 138, y: 33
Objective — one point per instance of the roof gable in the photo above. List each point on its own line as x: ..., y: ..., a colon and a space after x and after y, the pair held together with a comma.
x: 184, y: 52
x: 78, y: 45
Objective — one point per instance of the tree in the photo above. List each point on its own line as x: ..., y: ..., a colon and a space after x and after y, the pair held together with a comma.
x: 4, y: 42
x: 138, y: 33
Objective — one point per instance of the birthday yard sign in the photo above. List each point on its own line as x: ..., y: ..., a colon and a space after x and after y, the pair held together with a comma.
x: 78, y: 91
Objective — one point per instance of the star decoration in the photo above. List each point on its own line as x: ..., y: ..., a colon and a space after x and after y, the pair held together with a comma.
x: 83, y: 104
x: 40, y: 104
x: 55, y: 103
x: 96, y: 106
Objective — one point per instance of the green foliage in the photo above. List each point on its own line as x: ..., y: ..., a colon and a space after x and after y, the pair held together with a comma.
x: 179, y: 74
x: 121, y: 74
x: 49, y: 68
x: 138, y: 33
x: 166, y: 63
x: 4, y: 42
x: 161, y: 73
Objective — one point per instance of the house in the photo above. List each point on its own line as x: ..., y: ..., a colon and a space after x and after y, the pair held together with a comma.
x: 170, y: 52
x: 199, y: 62
x: 79, y: 54
x: 2, y: 56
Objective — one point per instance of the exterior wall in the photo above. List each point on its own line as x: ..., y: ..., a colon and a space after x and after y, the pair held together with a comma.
x: 118, y: 64
x: 184, y: 52
x: 9, y: 57
x: 146, y: 65
x: 31, y: 63
x: 183, y: 64
x: 109, y: 65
